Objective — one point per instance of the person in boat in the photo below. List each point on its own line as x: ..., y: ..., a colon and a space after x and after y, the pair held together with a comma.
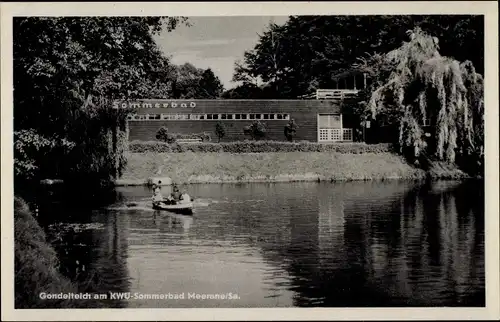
x: 176, y: 194
x: 157, y: 196
x: 157, y: 187
x: 184, y: 198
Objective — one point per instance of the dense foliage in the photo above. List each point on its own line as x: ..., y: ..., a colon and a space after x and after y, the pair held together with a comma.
x: 195, y: 83
x: 257, y: 130
x: 36, y: 264
x: 66, y: 72
x: 291, y: 130
x: 220, y: 130
x: 257, y: 147
x: 163, y: 135
x: 436, y: 102
x: 28, y: 145
x: 302, y: 55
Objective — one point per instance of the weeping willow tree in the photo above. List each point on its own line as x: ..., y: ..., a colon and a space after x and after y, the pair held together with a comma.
x: 101, y: 133
x: 436, y: 102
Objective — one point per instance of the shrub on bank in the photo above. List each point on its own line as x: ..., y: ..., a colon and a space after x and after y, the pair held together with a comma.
x: 257, y: 147
x: 164, y: 136
x: 36, y: 264
x: 257, y: 130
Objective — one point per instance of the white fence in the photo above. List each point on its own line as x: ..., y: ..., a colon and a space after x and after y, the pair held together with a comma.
x: 339, y: 94
x: 335, y: 135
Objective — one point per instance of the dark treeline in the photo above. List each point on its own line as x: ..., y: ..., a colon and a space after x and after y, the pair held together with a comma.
x: 302, y: 55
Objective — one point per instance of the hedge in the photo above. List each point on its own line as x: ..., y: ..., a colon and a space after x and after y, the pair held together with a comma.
x: 257, y: 147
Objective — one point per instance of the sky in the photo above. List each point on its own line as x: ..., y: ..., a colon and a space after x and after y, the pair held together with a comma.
x: 215, y: 42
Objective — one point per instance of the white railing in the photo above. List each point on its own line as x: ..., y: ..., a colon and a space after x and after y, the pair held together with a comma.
x: 336, y: 93
x: 335, y: 135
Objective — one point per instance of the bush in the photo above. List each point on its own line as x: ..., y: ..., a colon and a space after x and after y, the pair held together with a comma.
x: 257, y: 130
x: 164, y: 136
x: 259, y: 147
x: 290, y: 130
x: 220, y: 130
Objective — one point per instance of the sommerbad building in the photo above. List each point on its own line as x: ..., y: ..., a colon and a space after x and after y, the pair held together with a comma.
x: 320, y: 118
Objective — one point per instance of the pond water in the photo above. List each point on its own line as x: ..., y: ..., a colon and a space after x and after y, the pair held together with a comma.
x: 356, y: 244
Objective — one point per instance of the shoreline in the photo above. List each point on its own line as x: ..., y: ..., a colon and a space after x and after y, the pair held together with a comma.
x: 220, y: 168
x: 203, y: 180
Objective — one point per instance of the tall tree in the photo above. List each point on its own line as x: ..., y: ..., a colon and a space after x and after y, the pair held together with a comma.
x: 209, y: 85
x: 416, y: 83
x: 192, y: 82
x: 305, y: 52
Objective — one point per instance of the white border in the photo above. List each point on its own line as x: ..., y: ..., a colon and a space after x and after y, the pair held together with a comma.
x: 489, y: 9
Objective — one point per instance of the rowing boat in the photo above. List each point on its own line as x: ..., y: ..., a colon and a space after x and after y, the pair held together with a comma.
x: 180, y: 208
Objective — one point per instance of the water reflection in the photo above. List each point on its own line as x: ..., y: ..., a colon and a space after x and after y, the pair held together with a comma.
x: 171, y: 222
x: 95, y: 258
x: 303, y: 244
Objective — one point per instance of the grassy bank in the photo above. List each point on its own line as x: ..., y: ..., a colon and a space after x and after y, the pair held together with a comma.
x: 36, y: 264
x: 190, y: 167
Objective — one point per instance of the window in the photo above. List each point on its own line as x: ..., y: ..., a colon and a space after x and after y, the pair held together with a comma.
x: 329, y: 121
x: 323, y: 135
x: 325, y: 120
x: 347, y: 135
x: 335, y: 135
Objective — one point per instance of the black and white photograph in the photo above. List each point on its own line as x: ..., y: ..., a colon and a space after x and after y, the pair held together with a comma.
x: 162, y: 160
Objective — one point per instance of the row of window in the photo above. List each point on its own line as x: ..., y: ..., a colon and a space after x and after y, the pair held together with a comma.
x: 224, y: 116
x: 335, y: 135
